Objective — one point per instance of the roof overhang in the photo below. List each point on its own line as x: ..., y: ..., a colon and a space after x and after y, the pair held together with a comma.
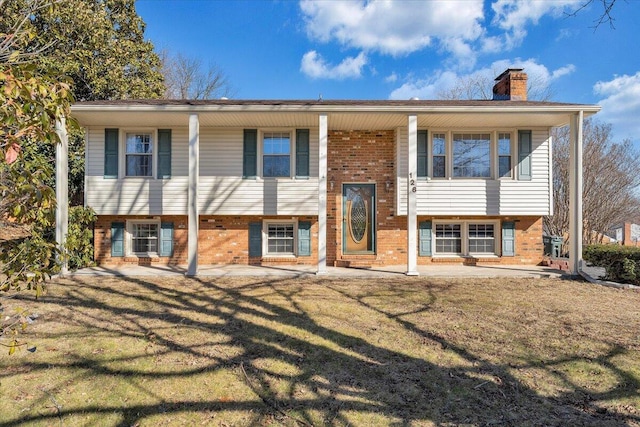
x: 341, y: 115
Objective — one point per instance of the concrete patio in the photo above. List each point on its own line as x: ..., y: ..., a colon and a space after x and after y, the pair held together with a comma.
x: 293, y: 271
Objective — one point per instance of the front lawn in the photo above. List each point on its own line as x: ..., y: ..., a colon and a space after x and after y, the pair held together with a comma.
x: 312, y: 351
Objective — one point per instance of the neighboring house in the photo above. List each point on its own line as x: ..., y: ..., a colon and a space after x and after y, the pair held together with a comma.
x: 626, y: 234
x: 322, y: 182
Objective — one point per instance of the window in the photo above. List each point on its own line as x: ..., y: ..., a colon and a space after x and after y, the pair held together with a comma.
x: 280, y: 238
x: 504, y: 155
x: 144, y: 237
x: 139, y: 154
x: 481, y: 238
x: 475, y: 154
x: 448, y: 239
x: 276, y: 159
x: 439, y: 155
x: 464, y: 238
x: 472, y: 155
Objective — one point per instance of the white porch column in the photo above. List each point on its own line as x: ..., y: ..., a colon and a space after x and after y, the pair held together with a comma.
x: 322, y: 195
x: 412, y: 216
x: 575, y: 193
x: 192, y: 204
x: 62, y: 191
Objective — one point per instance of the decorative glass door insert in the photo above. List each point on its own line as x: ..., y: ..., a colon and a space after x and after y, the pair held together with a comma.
x: 358, y: 219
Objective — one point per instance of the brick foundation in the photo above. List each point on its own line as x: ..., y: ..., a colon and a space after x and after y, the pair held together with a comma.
x: 528, y: 243
x: 102, y: 241
x: 225, y: 240
x: 221, y: 240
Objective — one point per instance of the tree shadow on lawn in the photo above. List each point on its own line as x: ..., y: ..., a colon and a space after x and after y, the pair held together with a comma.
x: 293, y: 359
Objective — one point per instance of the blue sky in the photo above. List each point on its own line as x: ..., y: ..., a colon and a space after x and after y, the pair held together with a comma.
x: 358, y: 49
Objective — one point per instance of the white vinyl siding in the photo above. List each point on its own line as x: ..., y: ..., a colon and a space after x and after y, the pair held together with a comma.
x: 221, y: 189
x: 140, y: 195
x: 462, y: 196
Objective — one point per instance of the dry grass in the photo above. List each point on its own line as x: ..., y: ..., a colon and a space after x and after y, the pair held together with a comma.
x: 405, y: 351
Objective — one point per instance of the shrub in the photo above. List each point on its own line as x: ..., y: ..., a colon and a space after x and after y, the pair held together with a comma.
x: 79, y: 247
x: 622, y: 263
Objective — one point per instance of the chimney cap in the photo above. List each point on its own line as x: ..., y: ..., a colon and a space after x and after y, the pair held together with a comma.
x: 508, y: 71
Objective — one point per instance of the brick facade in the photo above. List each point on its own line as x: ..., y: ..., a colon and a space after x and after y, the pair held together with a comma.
x: 365, y: 157
x: 225, y: 240
x: 528, y: 242
x: 221, y: 240
x: 102, y: 241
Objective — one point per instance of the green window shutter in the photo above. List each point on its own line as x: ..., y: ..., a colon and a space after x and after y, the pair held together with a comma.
x: 524, y: 155
x: 111, y: 153
x: 508, y: 238
x: 302, y: 153
x: 304, y: 238
x: 164, y: 153
x: 255, y: 239
x: 250, y: 154
x: 117, y: 239
x: 166, y: 239
x: 424, y: 238
x: 422, y: 154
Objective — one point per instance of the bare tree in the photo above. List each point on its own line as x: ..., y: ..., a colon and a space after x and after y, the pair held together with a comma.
x: 606, y: 15
x: 610, y: 182
x: 187, y: 78
x: 480, y: 86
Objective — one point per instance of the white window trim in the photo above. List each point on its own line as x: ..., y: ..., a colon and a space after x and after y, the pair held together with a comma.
x: 292, y: 152
x: 493, y: 150
x: 122, y: 157
x: 464, y: 230
x: 265, y: 238
x: 434, y: 243
x: 128, y: 237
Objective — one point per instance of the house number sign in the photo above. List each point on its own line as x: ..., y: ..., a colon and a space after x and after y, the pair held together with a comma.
x: 412, y: 183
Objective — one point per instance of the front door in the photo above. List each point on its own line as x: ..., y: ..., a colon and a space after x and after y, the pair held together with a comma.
x: 358, y: 219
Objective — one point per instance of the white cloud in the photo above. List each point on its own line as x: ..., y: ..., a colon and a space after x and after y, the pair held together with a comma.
x: 513, y: 16
x: 621, y: 105
x: 431, y: 87
x: 459, y: 29
x: 426, y: 88
x: 563, y: 71
x: 395, y: 28
x: 391, y: 78
x: 314, y: 66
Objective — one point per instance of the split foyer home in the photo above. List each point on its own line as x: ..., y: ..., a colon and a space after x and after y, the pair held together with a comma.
x: 324, y: 182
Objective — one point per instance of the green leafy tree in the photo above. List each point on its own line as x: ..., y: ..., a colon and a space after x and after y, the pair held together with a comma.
x: 30, y: 104
x: 51, y: 50
x: 98, y: 44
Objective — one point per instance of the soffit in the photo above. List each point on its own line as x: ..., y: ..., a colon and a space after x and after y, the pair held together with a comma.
x: 339, y: 117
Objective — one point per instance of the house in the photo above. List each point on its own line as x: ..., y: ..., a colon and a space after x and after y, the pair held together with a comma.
x: 627, y: 234
x: 346, y: 183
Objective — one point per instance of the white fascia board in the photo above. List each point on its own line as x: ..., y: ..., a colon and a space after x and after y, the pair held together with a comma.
x: 328, y: 108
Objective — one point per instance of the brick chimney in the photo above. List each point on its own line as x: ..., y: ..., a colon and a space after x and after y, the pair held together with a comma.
x: 511, y: 85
